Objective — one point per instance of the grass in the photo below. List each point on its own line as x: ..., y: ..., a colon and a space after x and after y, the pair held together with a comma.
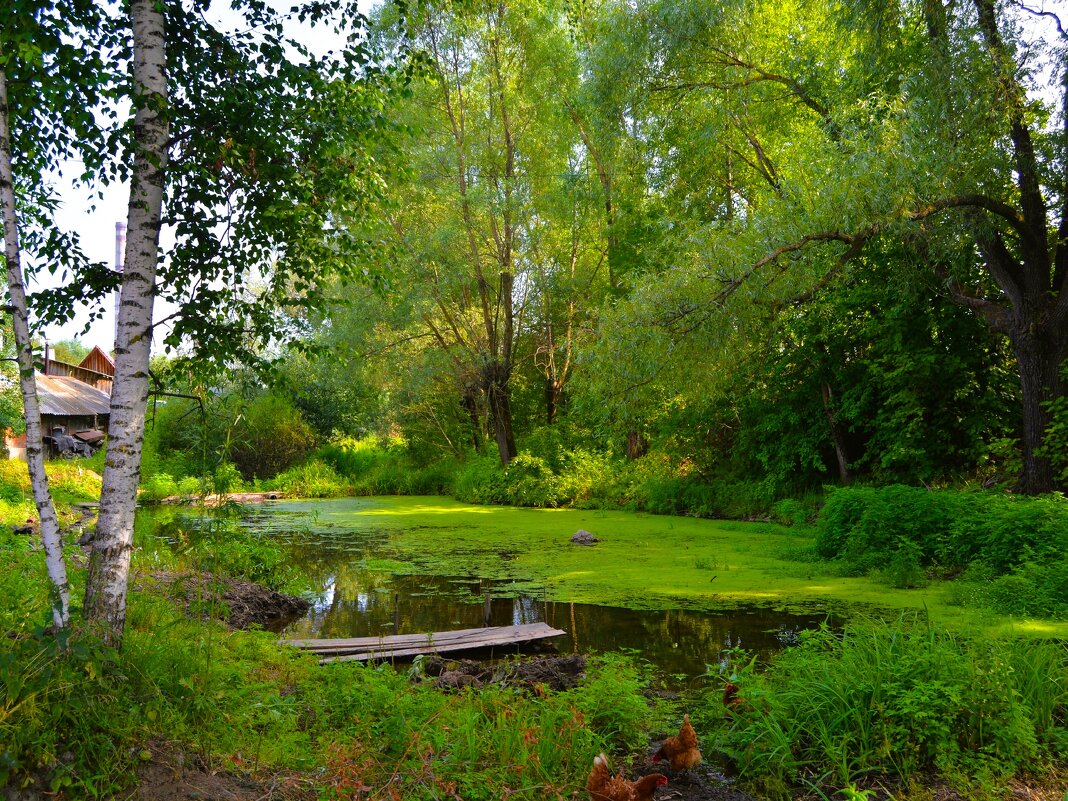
x: 642, y: 561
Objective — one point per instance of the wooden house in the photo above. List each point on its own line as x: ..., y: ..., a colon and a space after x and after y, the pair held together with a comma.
x: 75, y: 405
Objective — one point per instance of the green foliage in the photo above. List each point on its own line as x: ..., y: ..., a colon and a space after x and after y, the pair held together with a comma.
x: 70, y: 481
x: 381, y: 466
x: 81, y: 716
x: 1055, y: 446
x: 612, y: 702
x: 312, y: 479
x: 226, y: 478
x: 270, y: 437
x: 484, y: 745
x: 71, y: 351
x: 867, y: 527
x: 895, y: 700
x: 158, y: 487
x: 212, y: 541
x: 1033, y: 589
x: 11, y: 417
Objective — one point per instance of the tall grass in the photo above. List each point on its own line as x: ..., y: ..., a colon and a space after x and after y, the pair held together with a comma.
x: 888, y: 701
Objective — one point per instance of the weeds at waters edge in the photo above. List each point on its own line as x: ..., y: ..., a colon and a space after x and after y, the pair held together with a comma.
x: 888, y: 702
x: 486, y: 745
x: 78, y: 719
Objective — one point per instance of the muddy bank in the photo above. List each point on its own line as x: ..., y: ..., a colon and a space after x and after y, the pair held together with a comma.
x: 169, y: 774
x: 219, y: 500
x: 554, y: 673
x: 240, y: 604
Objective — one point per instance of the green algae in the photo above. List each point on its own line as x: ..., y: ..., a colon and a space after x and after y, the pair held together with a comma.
x: 641, y: 562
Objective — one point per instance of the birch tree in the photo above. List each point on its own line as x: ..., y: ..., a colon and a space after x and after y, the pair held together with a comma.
x: 41, y: 123
x: 109, y: 564
x: 46, y: 512
x: 259, y: 154
x: 263, y: 163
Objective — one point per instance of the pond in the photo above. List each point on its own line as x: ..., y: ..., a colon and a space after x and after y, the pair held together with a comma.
x: 378, y: 566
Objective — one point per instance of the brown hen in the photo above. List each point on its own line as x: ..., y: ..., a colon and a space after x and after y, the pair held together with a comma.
x: 603, y: 786
x: 681, y: 751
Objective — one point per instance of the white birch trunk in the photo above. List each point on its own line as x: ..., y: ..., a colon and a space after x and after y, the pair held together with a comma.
x: 46, y: 511
x: 109, y: 564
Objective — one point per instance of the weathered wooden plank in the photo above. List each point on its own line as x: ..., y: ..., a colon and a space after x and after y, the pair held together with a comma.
x: 354, y: 644
x: 371, y: 642
x: 435, y: 648
x: 401, y: 645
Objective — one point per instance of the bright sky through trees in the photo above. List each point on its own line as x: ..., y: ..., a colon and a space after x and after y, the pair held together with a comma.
x: 93, y: 218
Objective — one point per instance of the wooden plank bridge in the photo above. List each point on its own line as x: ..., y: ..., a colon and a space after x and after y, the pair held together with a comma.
x: 363, y: 649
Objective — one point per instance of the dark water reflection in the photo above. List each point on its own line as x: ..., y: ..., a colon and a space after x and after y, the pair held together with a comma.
x: 678, y: 642
x: 355, y: 594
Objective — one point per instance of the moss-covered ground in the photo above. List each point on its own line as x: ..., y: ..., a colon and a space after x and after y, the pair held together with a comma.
x: 642, y: 561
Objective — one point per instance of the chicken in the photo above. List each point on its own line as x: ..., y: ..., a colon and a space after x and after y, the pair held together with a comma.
x: 732, y: 699
x: 603, y: 786
x: 646, y: 786
x: 681, y: 751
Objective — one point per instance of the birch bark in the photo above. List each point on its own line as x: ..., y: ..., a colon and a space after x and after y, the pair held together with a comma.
x: 50, y: 536
x: 109, y: 564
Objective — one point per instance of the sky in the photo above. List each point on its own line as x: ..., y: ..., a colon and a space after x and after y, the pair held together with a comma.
x: 94, y: 218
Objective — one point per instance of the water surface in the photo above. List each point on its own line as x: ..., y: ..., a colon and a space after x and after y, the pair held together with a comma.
x: 413, y: 565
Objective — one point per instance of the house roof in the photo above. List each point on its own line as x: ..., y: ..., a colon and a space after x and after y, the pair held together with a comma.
x: 63, y: 396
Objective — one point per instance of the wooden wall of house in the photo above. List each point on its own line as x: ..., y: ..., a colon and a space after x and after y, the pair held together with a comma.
x: 98, y: 362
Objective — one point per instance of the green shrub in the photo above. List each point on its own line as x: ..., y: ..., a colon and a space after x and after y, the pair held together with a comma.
x: 311, y: 480
x: 529, y: 481
x: 791, y: 512
x: 226, y: 478
x: 1032, y: 589
x: 190, y: 486
x: 870, y: 527
x: 376, y: 466
x: 480, y: 480
x: 158, y: 487
x: 270, y: 437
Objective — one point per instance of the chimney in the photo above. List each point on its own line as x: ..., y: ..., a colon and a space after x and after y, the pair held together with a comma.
x: 120, y: 254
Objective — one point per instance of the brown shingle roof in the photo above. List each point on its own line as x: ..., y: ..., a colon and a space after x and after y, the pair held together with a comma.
x: 64, y: 396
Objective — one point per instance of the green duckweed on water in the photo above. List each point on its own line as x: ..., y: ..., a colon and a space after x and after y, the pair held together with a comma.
x: 642, y: 561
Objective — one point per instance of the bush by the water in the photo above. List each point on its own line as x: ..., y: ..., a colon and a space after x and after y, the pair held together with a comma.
x: 869, y: 526
x: 885, y: 700
x: 375, y: 466
x: 312, y: 479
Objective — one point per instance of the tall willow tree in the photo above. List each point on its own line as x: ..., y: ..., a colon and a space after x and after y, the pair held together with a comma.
x: 793, y: 136
x: 478, y: 219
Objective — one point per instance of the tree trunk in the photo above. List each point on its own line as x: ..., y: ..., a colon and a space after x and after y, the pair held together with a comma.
x: 109, y: 564
x: 837, y: 435
x: 50, y: 536
x: 554, y: 390
x: 500, y: 407
x: 1038, y: 361
x: 469, y: 402
x: 637, y: 445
